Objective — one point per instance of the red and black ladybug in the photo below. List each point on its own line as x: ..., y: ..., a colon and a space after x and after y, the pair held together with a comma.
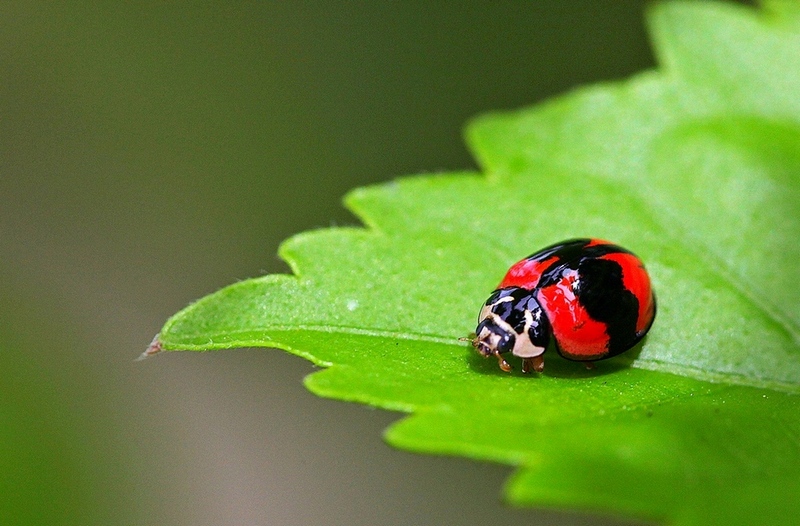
x: 593, y: 297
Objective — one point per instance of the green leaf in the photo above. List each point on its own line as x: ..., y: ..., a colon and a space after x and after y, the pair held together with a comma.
x: 694, y: 167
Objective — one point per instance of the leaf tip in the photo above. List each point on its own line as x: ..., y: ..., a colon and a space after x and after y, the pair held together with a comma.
x: 152, y: 349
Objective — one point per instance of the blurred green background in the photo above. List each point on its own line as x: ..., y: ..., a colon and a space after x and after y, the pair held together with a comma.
x: 151, y: 154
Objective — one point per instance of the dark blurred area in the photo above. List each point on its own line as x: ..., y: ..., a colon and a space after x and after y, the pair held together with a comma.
x: 151, y: 154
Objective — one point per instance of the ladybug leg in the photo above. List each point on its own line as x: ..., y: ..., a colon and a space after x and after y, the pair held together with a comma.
x: 527, y: 364
x: 536, y: 364
x: 589, y: 366
x: 503, y: 364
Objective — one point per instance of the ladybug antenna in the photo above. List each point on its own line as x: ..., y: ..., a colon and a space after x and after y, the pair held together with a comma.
x: 473, y: 340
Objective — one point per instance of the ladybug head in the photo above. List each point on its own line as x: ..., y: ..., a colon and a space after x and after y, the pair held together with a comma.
x: 492, y: 340
x: 512, y: 321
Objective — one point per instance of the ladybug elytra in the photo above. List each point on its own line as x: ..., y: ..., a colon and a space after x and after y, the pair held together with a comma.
x: 593, y: 298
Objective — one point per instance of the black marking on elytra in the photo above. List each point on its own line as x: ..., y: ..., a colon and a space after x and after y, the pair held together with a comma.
x: 570, y: 256
x: 573, y: 246
x: 602, y: 293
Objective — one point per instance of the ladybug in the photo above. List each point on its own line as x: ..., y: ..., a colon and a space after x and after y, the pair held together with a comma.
x: 593, y: 298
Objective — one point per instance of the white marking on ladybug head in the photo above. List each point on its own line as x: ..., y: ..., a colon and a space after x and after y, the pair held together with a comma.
x: 523, y: 346
x: 488, y: 341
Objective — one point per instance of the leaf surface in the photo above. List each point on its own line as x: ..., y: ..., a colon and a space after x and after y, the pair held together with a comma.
x: 695, y: 168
